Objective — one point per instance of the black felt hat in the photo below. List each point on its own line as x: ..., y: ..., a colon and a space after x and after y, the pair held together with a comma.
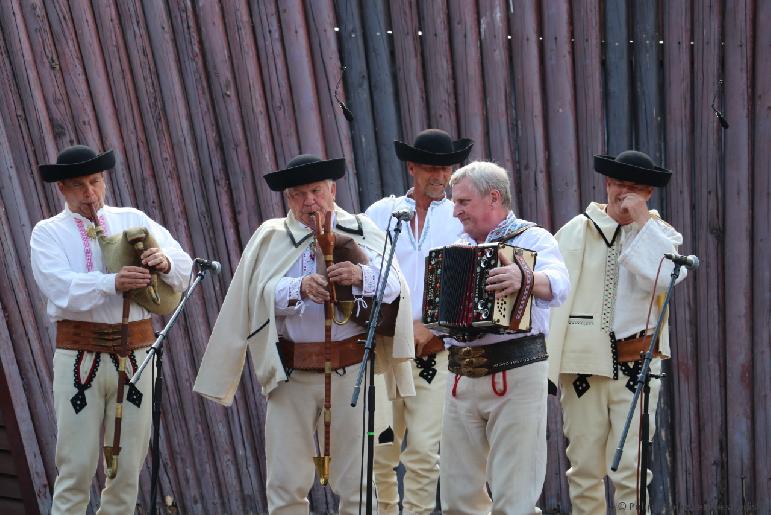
x: 434, y: 147
x: 305, y: 169
x: 632, y: 166
x: 77, y: 161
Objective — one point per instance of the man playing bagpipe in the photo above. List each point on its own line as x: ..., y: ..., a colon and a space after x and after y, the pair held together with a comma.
x: 614, y: 253
x: 494, y: 428
x: 103, y: 271
x: 297, y: 301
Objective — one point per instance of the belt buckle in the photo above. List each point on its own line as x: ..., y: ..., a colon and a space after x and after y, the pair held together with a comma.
x: 470, y: 352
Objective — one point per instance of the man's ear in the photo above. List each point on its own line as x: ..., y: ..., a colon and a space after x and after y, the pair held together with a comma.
x: 495, y: 196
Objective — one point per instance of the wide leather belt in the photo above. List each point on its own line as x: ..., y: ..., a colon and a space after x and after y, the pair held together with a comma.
x: 633, y: 348
x: 434, y: 346
x: 488, y: 359
x: 310, y: 355
x: 96, y: 337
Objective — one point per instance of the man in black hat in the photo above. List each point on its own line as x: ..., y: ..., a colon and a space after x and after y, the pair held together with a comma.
x: 429, y: 161
x: 86, y: 303
x: 275, y: 307
x: 613, y: 253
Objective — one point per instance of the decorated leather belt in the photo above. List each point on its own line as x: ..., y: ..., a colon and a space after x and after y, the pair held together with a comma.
x: 434, y: 346
x: 488, y: 359
x: 310, y: 355
x: 95, y: 337
x: 634, y: 347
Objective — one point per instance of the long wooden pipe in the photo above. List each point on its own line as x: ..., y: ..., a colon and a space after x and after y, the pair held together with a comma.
x: 326, y: 241
x: 111, y: 452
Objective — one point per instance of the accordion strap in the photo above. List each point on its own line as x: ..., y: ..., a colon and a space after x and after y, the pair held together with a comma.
x: 525, y: 291
x: 513, y: 234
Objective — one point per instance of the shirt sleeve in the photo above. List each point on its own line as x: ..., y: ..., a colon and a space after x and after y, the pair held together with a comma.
x: 370, y: 278
x: 66, y: 289
x: 645, y: 249
x: 288, y: 289
x: 549, y: 261
x: 178, y: 276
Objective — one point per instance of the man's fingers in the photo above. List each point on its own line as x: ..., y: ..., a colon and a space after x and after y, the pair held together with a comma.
x: 503, y: 258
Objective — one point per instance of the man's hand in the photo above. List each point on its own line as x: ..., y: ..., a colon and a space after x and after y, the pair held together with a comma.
x: 505, y: 279
x: 131, y: 278
x: 156, y: 259
x: 314, y: 287
x: 636, y: 207
x: 422, y: 336
x: 345, y: 274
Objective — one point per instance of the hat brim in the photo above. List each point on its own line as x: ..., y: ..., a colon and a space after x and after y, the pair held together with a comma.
x: 608, y: 166
x: 59, y: 172
x: 332, y: 169
x: 461, y: 150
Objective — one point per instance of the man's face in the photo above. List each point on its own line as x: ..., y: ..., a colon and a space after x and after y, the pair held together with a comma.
x: 430, y: 180
x: 84, y: 195
x: 618, y: 191
x: 476, y: 212
x: 316, y: 197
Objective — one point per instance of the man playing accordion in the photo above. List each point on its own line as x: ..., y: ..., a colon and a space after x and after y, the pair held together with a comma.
x: 87, y: 293
x: 494, y: 428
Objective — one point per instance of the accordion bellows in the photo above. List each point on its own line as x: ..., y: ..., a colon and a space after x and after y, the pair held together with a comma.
x: 455, y: 300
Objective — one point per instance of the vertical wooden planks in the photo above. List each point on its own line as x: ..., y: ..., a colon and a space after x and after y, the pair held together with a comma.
x: 356, y: 79
x: 253, y: 109
x: 590, y: 110
x: 499, y: 90
x: 678, y: 66
x: 300, y: 69
x: 440, y: 86
x: 560, y: 111
x: 618, y: 101
x: 408, y: 61
x: 526, y: 53
x: 328, y: 71
x: 737, y: 64
x: 278, y: 96
x: 708, y: 183
x: 384, y: 102
x: 761, y: 247
x: 467, y: 64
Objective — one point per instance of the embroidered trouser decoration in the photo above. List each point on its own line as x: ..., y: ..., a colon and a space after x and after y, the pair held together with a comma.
x: 427, y: 367
x: 632, y: 371
x: 78, y: 400
x: 581, y: 384
x: 134, y: 396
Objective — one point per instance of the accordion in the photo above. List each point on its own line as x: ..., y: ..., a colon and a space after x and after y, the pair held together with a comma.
x: 455, y: 300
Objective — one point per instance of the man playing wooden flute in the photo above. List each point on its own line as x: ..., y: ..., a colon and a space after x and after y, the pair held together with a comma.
x: 275, y: 307
x: 429, y: 162
x: 613, y: 253
x: 86, y: 303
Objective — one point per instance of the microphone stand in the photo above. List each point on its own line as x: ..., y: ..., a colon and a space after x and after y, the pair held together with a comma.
x: 369, y: 355
x: 643, y: 388
x: 157, y: 350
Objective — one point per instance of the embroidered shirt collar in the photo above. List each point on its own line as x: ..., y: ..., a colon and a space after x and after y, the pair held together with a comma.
x: 508, y: 225
x: 602, y: 221
x: 69, y: 212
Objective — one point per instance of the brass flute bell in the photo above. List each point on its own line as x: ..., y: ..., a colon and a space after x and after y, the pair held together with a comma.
x: 346, y: 309
x: 322, y: 468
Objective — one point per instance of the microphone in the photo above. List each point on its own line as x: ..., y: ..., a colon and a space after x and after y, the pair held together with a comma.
x: 690, y: 262
x: 403, y: 215
x: 720, y: 118
x: 205, y: 264
x: 346, y: 112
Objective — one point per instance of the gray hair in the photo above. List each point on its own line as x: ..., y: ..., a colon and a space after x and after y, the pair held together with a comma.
x: 485, y: 177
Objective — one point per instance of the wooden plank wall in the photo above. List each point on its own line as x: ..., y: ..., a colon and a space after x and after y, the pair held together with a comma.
x: 201, y: 98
